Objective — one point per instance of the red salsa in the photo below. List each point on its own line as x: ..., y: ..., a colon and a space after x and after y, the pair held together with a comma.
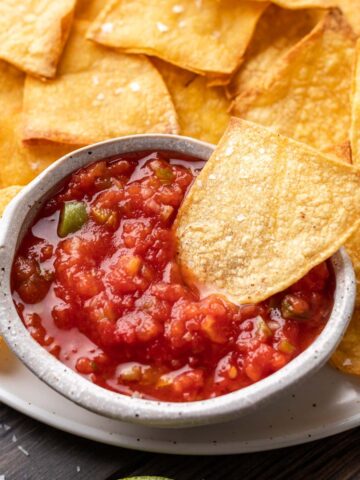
x: 97, y: 284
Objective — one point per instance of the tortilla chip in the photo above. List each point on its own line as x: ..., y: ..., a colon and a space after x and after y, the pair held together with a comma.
x: 203, y: 112
x: 355, y: 117
x: 351, y: 9
x: 6, y: 195
x: 308, y: 97
x: 347, y: 356
x: 88, y: 9
x: 264, y: 211
x: 278, y: 30
x: 219, y: 80
x: 206, y: 37
x: 33, y: 33
x: 19, y: 164
x: 353, y: 249
x: 98, y: 94
x: 26, y: 161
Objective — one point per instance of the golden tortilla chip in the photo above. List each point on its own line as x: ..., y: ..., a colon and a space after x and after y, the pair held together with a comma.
x: 355, y: 118
x: 6, y: 195
x: 264, y: 211
x: 33, y: 33
x: 278, y: 30
x: 351, y: 9
x: 88, y: 9
x: 308, y: 97
x: 204, y: 36
x: 203, y: 112
x: 347, y: 356
x: 219, y: 80
x: 98, y: 94
x: 353, y: 249
x: 19, y: 164
x: 26, y: 161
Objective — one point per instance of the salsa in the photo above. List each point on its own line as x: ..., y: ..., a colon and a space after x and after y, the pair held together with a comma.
x: 96, y: 282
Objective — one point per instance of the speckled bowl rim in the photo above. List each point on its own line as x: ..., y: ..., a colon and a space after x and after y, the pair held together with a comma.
x: 19, y: 215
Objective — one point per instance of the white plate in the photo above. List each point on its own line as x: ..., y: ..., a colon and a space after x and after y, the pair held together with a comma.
x: 326, y: 404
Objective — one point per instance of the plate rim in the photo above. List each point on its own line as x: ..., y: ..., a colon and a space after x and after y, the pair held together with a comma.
x: 60, y: 422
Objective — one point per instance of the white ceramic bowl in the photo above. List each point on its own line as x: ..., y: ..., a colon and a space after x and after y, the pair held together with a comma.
x: 18, y: 217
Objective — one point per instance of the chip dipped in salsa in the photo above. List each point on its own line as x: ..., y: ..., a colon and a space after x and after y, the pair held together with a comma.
x: 97, y: 283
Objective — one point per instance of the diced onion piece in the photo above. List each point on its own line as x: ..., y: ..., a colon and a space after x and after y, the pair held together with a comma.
x: 286, y: 347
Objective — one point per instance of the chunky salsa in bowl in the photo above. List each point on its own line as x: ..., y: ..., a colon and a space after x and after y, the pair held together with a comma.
x: 97, y: 283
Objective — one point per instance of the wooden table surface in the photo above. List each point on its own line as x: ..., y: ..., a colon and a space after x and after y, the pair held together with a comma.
x: 30, y: 450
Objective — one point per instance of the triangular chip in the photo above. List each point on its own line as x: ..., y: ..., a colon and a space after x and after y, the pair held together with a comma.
x: 355, y: 117
x: 19, y: 164
x: 6, y: 195
x: 33, y: 33
x: 353, y: 249
x: 98, y: 94
x: 88, y: 9
x: 308, y: 98
x: 203, y: 111
x: 351, y: 9
x: 263, y: 212
x: 204, y: 36
x: 277, y: 31
x: 347, y: 356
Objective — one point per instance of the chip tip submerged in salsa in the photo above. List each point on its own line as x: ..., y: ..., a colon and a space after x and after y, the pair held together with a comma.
x: 97, y: 283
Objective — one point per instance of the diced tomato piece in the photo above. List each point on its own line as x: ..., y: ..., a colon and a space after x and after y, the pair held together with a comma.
x: 33, y: 289
x: 137, y: 327
x: 85, y: 366
x: 86, y: 283
x: 189, y: 382
x: 63, y: 316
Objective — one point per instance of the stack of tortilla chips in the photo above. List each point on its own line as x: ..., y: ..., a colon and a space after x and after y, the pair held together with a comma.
x: 75, y: 72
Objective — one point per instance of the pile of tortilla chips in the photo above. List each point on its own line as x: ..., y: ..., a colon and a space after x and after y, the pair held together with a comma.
x: 74, y: 72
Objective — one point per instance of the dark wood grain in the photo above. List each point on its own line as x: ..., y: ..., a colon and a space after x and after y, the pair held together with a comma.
x: 54, y: 455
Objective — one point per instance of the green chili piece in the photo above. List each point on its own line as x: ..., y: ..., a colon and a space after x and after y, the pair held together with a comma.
x: 295, y: 307
x: 165, y: 175
x: 73, y: 215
